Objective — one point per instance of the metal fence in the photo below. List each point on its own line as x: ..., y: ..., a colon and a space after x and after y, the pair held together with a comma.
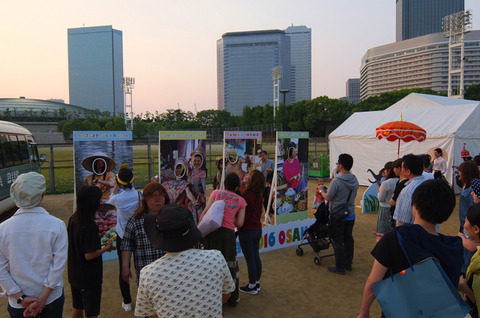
x: 58, y: 168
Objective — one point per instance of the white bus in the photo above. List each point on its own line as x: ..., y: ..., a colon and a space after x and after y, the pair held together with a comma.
x: 18, y: 154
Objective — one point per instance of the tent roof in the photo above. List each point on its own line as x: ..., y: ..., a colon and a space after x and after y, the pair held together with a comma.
x: 416, y: 100
x: 439, y: 116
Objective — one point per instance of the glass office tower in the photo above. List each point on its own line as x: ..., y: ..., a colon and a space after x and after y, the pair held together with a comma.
x: 95, y: 68
x: 421, y: 17
x: 244, y: 68
x: 301, y: 61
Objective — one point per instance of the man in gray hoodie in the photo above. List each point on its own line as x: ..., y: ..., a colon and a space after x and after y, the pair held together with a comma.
x: 343, y: 189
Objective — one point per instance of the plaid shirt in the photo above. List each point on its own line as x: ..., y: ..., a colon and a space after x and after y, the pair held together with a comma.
x: 135, y: 240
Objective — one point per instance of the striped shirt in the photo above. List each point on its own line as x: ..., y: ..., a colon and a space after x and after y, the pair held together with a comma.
x: 403, y: 210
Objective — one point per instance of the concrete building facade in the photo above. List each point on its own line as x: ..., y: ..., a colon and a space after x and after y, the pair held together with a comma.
x: 421, y: 17
x: 95, y: 68
x: 419, y: 62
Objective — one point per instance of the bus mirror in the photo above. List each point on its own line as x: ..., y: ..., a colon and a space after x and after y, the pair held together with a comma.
x: 43, y: 157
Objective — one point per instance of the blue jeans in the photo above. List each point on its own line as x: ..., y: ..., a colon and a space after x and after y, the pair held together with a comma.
x: 249, y: 242
x: 52, y: 310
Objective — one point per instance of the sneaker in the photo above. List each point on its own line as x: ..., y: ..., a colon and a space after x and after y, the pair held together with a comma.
x: 127, y: 307
x: 336, y: 270
x: 248, y: 290
x: 348, y: 268
x: 257, y: 287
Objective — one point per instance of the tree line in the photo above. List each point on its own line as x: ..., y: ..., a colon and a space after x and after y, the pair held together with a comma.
x: 318, y: 116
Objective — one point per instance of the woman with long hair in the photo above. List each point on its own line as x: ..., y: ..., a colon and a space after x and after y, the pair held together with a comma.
x: 250, y: 233
x: 134, y: 239
x: 85, y: 267
x: 223, y: 239
x: 126, y: 199
x: 385, y: 193
x: 467, y: 172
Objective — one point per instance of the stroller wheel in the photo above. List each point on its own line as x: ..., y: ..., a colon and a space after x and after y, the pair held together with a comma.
x: 317, y: 260
x: 299, y: 251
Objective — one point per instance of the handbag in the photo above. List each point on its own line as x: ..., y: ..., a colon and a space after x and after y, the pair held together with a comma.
x: 213, y: 218
x: 422, y: 290
x: 340, y: 212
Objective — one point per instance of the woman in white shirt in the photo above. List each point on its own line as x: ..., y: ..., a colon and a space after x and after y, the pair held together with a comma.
x: 385, y: 193
x: 126, y: 199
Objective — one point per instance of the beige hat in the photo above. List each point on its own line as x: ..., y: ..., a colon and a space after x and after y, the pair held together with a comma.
x: 27, y: 190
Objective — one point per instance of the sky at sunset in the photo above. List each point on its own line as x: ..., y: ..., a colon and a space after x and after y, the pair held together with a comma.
x: 170, y: 46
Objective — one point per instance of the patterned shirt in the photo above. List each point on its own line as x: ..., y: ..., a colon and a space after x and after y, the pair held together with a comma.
x: 403, y: 210
x: 184, y: 284
x: 135, y: 240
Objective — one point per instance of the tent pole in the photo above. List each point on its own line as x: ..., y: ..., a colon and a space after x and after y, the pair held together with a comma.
x: 398, y: 149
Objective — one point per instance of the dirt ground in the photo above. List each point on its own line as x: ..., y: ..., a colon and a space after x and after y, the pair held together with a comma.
x: 292, y: 286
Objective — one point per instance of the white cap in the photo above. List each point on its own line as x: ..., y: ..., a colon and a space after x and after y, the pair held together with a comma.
x: 27, y: 190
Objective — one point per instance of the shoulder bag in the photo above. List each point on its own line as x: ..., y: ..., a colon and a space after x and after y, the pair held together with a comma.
x: 340, y: 212
x: 213, y: 218
x: 422, y: 290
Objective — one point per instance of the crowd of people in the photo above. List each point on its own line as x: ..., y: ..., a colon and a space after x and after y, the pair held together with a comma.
x: 161, y: 235
x: 181, y: 273
x: 414, y: 200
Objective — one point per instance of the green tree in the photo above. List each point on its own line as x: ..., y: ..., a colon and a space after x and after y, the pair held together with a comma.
x: 140, y: 129
x: 387, y: 99
x: 472, y: 92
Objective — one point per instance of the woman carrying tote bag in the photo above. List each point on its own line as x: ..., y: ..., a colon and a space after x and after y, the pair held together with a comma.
x: 223, y: 239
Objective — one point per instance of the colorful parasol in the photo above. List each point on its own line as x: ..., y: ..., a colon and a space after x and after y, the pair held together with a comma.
x: 401, y: 130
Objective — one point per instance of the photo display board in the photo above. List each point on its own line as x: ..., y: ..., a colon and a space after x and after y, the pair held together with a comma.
x: 97, y: 157
x: 290, y: 197
x: 240, y: 153
x: 182, y: 168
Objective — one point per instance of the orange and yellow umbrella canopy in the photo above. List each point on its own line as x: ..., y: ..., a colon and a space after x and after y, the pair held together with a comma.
x: 401, y: 130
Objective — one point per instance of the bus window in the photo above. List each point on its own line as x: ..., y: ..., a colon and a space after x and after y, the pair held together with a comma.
x: 33, y: 149
x: 2, y: 155
x: 7, y: 151
x: 17, y: 159
x: 22, y: 143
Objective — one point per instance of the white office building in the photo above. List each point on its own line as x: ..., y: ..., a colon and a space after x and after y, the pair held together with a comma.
x: 420, y: 62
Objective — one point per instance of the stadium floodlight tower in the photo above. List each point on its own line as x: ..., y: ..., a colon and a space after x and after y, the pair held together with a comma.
x: 128, y: 84
x: 277, y: 75
x: 454, y: 28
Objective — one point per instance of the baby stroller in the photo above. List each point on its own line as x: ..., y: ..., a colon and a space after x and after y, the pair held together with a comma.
x: 317, y: 235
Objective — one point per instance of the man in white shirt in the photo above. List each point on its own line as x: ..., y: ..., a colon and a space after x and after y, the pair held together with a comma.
x: 186, y: 282
x: 33, y: 253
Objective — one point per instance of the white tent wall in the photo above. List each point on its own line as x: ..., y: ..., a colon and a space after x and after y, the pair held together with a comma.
x: 449, y: 123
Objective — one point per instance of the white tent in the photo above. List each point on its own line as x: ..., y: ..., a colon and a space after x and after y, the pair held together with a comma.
x: 449, y: 123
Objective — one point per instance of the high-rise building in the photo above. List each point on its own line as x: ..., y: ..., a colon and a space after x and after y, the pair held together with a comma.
x: 352, y: 90
x: 420, y: 17
x: 95, y: 68
x: 301, y: 62
x: 245, y: 61
x: 419, y: 62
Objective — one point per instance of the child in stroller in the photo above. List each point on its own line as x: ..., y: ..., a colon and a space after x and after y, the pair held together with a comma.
x: 317, y: 234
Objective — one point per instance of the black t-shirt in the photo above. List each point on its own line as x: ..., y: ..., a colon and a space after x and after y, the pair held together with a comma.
x: 81, y: 240
x: 419, y: 244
